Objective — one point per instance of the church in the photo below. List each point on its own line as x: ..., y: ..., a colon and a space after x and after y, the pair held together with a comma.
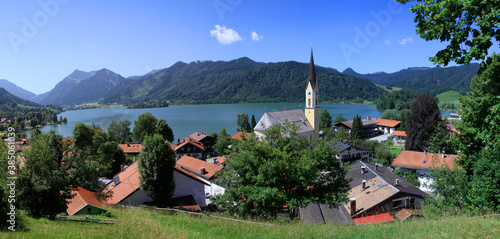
x: 307, y: 121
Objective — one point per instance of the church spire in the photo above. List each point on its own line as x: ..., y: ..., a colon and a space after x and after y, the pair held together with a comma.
x: 312, y: 73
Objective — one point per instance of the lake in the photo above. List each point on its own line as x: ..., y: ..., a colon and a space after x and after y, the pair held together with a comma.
x: 187, y: 119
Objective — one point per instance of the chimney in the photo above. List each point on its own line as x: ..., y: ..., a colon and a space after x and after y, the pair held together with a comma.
x: 397, y: 182
x: 353, y: 206
x: 363, y: 183
x: 376, y: 167
x: 439, y: 151
x: 425, y: 152
x: 121, y: 168
x: 178, y: 140
x: 202, y: 171
x: 368, y: 117
x: 363, y: 170
x: 354, y: 143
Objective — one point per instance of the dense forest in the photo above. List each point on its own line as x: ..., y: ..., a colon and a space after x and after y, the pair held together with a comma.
x: 397, y: 100
x: 239, y: 81
x: 424, y: 79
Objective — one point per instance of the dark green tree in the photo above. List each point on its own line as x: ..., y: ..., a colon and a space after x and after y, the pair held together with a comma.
x: 156, y: 168
x: 114, y: 132
x: 420, y: 123
x: 124, y: 132
x: 390, y: 114
x: 223, y: 142
x: 145, y: 125
x: 253, y: 122
x: 263, y: 176
x: 83, y: 136
x: 113, y: 156
x: 403, y: 114
x: 341, y: 134
x: 325, y: 120
x: 470, y: 28
x: 339, y: 119
x: 164, y: 130
x: 438, y: 141
x: 244, y: 123
x: 357, y: 132
x: 44, y: 183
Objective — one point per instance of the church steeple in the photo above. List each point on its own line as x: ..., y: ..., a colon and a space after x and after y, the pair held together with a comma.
x: 312, y: 72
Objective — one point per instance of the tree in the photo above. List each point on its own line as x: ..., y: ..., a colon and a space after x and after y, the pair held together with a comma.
x: 44, y: 184
x: 263, y: 176
x: 390, y: 114
x: 339, y: 119
x: 83, y: 136
x: 114, y: 132
x: 420, y: 123
x: 341, y: 134
x: 383, y: 155
x: 223, y: 141
x: 124, y: 131
x: 357, y: 132
x: 469, y: 27
x: 164, y: 130
x: 438, y: 141
x: 325, y: 120
x: 243, y: 123
x: 145, y: 125
x: 114, y: 157
x: 403, y: 114
x: 156, y: 168
x: 253, y: 122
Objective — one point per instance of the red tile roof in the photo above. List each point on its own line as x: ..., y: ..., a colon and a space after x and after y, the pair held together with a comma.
x: 399, y: 133
x: 68, y: 140
x: 197, y: 136
x: 132, y: 148
x: 386, y: 122
x: 374, y: 219
x: 82, y: 198
x: 130, y: 182
x: 195, y: 165
x: 406, y: 213
x: 417, y: 160
x: 239, y: 135
x: 221, y: 159
x: 190, y: 141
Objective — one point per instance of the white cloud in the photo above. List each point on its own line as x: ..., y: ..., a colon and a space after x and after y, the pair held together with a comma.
x: 225, y: 35
x: 388, y: 42
x: 405, y: 41
x: 256, y: 36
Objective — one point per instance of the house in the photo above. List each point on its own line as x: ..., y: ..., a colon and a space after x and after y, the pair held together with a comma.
x: 369, y: 126
x: 208, y: 142
x: 351, y: 152
x: 376, y: 193
x: 307, y: 121
x: 408, y: 213
x: 241, y: 135
x: 221, y: 161
x: 399, y: 135
x: 420, y: 162
x: 387, y: 126
x: 189, y: 147
x: 205, y: 171
x: 454, y: 116
x: 315, y: 213
x: 451, y: 129
x: 132, y: 149
x: 84, y: 202
x: 125, y: 188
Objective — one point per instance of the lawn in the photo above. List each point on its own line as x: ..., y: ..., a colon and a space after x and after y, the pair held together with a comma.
x: 145, y: 223
x: 396, y: 149
x: 389, y: 89
x: 449, y: 97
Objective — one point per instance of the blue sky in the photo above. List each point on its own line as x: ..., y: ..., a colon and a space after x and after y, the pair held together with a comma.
x: 43, y: 41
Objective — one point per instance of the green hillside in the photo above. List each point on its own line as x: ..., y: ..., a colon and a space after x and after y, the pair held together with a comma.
x: 134, y: 223
x: 449, y: 97
x: 239, y: 81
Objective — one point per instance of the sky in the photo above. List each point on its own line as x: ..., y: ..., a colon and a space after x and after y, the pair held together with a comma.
x: 41, y: 42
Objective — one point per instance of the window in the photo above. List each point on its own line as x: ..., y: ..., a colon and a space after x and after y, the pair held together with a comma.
x: 309, y: 102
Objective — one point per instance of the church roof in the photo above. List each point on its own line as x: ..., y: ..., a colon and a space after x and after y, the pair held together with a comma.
x: 296, y: 117
x: 312, y: 72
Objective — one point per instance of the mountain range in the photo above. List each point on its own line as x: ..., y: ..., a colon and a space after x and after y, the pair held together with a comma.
x: 425, y: 79
x: 241, y: 81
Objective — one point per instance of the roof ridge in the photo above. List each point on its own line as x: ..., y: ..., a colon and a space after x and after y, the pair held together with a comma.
x: 379, y: 176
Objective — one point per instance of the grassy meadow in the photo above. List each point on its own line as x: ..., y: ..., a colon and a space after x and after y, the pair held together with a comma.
x: 449, y: 97
x: 146, y: 223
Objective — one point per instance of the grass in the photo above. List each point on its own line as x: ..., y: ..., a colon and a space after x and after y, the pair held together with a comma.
x: 143, y: 223
x: 392, y: 88
x: 396, y: 149
x: 450, y: 96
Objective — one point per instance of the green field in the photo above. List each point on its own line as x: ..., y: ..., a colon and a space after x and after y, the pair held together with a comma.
x: 396, y: 149
x: 387, y: 89
x: 144, y: 223
x: 449, y: 97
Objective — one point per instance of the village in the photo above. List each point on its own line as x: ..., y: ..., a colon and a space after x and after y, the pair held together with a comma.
x: 376, y: 193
